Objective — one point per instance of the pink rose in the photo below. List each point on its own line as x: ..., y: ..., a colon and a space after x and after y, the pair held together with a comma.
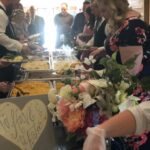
x: 81, y: 88
x: 84, y: 86
x: 63, y: 108
x: 74, y: 120
x: 75, y: 90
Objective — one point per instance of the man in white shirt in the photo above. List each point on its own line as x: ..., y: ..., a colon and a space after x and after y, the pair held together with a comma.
x: 7, y: 41
x: 8, y: 44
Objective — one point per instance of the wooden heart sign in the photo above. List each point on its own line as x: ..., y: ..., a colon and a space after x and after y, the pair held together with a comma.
x: 23, y: 127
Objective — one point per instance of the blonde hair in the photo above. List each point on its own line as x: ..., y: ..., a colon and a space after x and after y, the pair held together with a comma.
x: 118, y: 8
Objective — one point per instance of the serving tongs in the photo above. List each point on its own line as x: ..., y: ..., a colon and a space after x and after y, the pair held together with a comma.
x: 21, y: 91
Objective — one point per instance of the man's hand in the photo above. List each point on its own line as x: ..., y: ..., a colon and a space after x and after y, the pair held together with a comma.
x: 34, y: 46
x: 4, y: 64
x: 26, y: 50
x: 5, y: 87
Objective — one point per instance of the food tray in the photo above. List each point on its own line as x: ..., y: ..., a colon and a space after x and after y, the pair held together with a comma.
x: 36, y: 66
x: 21, y: 76
x: 45, y: 76
x: 39, y: 55
x: 41, y: 58
x: 13, y: 61
x: 30, y: 88
x: 39, y: 76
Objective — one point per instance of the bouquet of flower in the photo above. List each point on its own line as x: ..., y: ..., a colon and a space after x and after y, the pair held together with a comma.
x: 87, y: 102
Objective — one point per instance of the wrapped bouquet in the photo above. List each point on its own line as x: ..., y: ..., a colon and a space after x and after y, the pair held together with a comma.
x: 89, y: 101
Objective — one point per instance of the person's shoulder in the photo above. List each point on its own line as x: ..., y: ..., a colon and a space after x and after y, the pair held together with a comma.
x: 3, y: 15
x: 57, y: 15
x: 38, y: 17
x: 137, y: 22
x: 69, y: 15
x: 79, y: 14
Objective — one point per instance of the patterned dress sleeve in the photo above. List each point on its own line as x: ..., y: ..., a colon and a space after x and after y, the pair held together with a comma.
x: 133, y: 34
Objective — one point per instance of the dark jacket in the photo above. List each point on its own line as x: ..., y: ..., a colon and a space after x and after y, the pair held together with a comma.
x: 78, y: 24
x: 37, y: 26
x: 99, y: 35
x: 8, y: 73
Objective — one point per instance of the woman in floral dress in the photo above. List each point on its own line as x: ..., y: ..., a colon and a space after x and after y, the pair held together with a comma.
x: 129, y: 37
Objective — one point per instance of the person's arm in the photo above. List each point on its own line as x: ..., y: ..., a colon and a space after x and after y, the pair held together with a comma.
x: 98, y: 51
x: 135, y: 120
x: 71, y: 20
x: 5, y: 87
x: 10, y: 44
x: 90, y: 42
x: 129, y: 52
x: 56, y: 20
x: 79, y: 41
x: 119, y: 125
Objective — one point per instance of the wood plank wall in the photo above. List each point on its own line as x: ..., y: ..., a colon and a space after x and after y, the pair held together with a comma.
x: 147, y: 11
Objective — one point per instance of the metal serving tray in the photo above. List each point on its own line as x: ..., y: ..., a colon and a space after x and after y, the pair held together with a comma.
x: 21, y: 76
x: 45, y: 76
x: 36, y: 69
x: 25, y: 92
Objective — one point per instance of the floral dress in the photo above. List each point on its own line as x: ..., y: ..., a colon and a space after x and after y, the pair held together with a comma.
x: 133, y: 32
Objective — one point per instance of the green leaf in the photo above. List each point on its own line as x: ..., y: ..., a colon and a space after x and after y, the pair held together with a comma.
x: 114, y: 56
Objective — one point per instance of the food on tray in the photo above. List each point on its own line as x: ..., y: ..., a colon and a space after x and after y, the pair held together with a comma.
x: 12, y: 58
x: 18, y: 58
x: 81, y: 48
x: 61, y: 66
x: 36, y: 65
x: 30, y: 88
x: 74, y: 64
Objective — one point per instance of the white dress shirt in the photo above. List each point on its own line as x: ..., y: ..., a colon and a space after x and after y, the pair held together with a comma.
x: 142, y: 117
x: 10, y: 44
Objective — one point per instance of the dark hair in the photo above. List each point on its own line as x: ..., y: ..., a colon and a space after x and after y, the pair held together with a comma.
x: 91, y: 17
x: 86, y: 2
x: 88, y: 11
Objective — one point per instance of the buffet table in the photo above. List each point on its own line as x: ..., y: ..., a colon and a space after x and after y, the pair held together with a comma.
x: 28, y: 101
x: 26, y: 108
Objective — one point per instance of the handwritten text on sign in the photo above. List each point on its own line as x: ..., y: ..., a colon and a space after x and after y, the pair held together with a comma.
x: 23, y: 127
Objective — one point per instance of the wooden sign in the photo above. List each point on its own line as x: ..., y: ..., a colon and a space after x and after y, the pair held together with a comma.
x: 25, y: 124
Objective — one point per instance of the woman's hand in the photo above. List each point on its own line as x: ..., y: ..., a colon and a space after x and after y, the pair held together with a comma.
x: 95, y: 139
x: 79, y: 42
x: 97, y: 51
